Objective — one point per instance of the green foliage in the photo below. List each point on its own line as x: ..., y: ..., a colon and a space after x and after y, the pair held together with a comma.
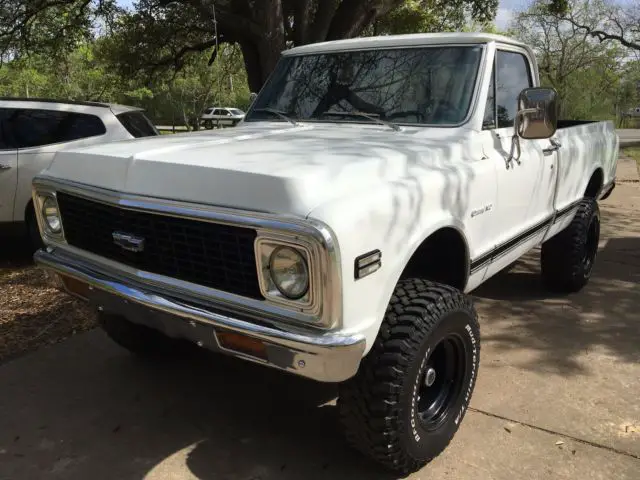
x: 50, y: 27
x: 172, y: 98
x: 558, y: 7
x: 633, y: 152
x: 180, y: 97
x: 159, y: 55
x: 417, y: 16
x: 594, y: 79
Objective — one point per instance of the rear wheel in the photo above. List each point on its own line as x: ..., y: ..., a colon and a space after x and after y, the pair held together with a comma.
x: 412, y: 390
x: 567, y: 259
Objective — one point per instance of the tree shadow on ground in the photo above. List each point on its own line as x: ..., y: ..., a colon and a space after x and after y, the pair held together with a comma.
x: 518, y: 313
x: 103, y: 414
x: 15, y: 253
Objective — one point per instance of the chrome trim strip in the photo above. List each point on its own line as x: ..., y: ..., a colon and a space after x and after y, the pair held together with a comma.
x: 322, y: 357
x: 325, y: 259
x: 264, y: 245
x: 38, y: 198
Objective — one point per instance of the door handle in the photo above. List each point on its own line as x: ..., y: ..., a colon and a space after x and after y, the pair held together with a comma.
x: 4, y: 166
x: 555, y: 145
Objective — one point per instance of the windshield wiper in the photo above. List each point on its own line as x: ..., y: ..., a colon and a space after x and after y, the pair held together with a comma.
x: 371, y: 116
x: 278, y: 113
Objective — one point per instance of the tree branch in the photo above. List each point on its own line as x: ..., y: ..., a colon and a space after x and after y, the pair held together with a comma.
x: 602, y: 36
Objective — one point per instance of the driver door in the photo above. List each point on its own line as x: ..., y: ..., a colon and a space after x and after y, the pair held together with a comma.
x: 525, y: 183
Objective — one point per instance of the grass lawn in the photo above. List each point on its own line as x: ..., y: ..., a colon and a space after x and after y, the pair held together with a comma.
x: 632, y: 152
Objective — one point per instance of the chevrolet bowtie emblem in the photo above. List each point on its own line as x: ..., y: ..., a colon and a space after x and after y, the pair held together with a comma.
x: 128, y: 241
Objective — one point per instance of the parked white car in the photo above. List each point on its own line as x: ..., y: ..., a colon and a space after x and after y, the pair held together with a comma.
x: 219, y: 116
x: 33, y: 130
x: 337, y: 232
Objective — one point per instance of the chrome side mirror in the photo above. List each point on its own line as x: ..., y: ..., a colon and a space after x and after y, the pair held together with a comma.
x: 537, y: 118
x: 253, y: 96
x: 537, y: 115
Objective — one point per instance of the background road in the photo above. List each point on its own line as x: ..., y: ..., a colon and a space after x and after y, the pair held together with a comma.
x: 629, y: 137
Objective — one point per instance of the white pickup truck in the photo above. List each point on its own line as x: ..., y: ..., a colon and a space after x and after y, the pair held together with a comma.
x: 337, y: 231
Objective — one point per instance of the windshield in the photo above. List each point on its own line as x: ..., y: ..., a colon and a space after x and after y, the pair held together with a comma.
x: 427, y: 85
x: 236, y: 111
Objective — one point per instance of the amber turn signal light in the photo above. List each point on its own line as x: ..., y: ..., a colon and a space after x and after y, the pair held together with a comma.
x: 242, y: 344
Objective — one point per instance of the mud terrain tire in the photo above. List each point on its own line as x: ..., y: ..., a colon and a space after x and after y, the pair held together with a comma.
x: 396, y: 410
x: 567, y: 259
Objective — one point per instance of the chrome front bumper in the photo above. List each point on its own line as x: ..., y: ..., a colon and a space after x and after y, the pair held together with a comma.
x: 321, y: 356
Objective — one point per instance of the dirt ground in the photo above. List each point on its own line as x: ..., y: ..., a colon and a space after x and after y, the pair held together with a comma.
x: 557, y: 392
x: 33, y: 313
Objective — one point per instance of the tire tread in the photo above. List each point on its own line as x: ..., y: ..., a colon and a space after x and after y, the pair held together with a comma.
x: 368, y: 402
x: 561, y: 255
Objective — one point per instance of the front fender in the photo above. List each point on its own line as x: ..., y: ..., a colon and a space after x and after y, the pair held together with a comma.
x: 394, y: 219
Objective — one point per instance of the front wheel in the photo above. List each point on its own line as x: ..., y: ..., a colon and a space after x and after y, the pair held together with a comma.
x: 412, y: 390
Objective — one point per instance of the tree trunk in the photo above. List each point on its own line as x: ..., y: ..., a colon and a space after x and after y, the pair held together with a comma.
x: 331, y: 21
x: 261, y: 55
x: 252, y: 65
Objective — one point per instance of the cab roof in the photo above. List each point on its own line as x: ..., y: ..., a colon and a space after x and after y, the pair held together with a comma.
x: 408, y: 40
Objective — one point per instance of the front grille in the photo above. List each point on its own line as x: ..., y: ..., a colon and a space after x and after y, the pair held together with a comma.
x: 210, y: 254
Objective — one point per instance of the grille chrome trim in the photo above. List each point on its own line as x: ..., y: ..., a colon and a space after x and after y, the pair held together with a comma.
x: 204, y: 253
x: 325, y: 257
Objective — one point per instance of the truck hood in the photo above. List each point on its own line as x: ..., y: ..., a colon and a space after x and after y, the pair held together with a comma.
x: 269, y: 167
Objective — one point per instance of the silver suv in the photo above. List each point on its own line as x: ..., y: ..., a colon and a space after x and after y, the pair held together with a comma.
x: 33, y: 130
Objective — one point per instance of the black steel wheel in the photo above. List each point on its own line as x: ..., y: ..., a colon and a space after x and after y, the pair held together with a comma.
x: 412, y: 390
x: 441, y: 381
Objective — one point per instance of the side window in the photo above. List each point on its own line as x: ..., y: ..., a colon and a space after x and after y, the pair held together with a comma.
x: 489, y: 120
x: 513, y: 75
x: 34, y: 128
x: 216, y: 111
x: 6, y: 140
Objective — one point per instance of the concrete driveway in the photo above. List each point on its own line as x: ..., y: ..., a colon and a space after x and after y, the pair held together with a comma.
x: 557, y: 396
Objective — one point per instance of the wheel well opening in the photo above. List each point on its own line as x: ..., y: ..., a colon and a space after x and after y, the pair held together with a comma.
x: 595, y: 184
x: 29, y: 212
x: 442, y: 258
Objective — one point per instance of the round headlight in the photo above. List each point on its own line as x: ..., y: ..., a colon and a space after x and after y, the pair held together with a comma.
x: 289, y: 272
x: 51, y: 215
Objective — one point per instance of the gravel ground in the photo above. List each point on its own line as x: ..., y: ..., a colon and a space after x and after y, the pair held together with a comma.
x: 32, y: 312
